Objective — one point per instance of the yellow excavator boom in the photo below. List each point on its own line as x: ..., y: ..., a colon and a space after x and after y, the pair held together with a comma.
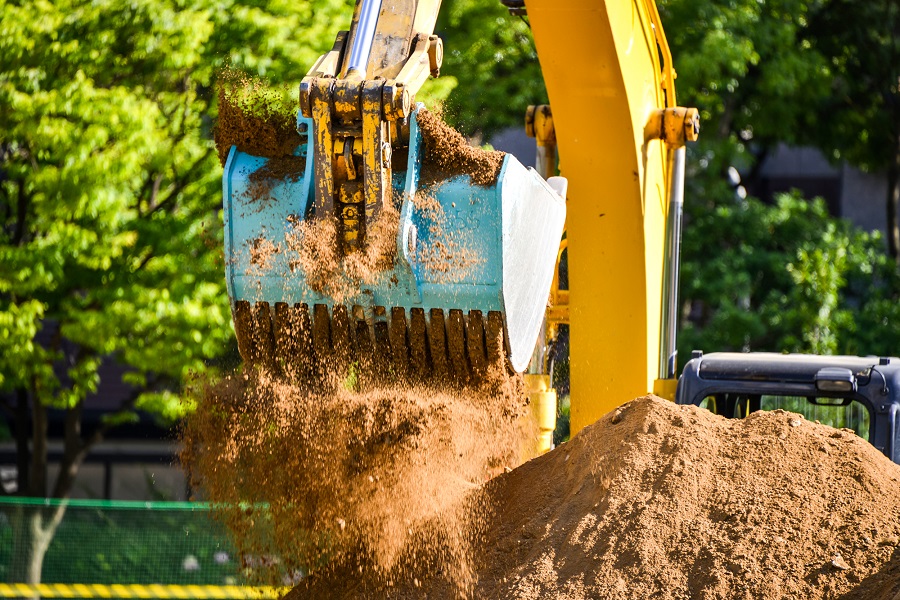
x: 610, y: 81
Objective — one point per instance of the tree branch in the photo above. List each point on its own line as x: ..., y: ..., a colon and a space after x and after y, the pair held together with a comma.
x: 180, y: 182
x: 154, y: 193
x: 72, y: 448
x: 81, y: 448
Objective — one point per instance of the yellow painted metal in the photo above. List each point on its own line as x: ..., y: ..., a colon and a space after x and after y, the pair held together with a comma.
x: 324, y: 142
x: 418, y: 67
x: 355, y: 113
x: 542, y: 400
x: 558, y: 309
x: 376, y: 150
x: 601, y: 66
x: 665, y: 388
x: 96, y: 590
x: 395, y: 36
x: 674, y: 126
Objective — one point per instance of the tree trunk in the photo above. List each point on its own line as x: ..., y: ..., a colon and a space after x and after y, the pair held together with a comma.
x: 23, y: 452
x: 37, y: 479
x: 33, y: 528
x: 893, y: 192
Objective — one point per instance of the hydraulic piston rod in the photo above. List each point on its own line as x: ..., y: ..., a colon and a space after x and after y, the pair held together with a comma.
x: 668, y: 352
x: 363, y: 37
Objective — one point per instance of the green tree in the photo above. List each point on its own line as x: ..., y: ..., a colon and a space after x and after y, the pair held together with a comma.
x: 785, y: 277
x: 748, y: 68
x: 859, y: 120
x: 782, y: 277
x: 491, y: 58
x: 110, y: 235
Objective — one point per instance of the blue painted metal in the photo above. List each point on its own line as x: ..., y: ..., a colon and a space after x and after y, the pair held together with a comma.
x: 509, y: 232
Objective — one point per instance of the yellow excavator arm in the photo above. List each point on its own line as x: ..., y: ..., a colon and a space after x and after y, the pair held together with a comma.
x: 610, y: 81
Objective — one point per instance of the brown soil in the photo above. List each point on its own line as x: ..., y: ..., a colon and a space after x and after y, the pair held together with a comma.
x: 674, y: 502
x: 276, y: 170
x: 256, y: 118
x: 449, y: 258
x: 340, y: 277
x: 447, y: 154
x: 661, y: 501
x: 336, y: 480
x: 262, y: 253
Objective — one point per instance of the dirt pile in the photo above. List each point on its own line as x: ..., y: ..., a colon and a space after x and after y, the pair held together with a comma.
x: 661, y: 501
x: 674, y: 502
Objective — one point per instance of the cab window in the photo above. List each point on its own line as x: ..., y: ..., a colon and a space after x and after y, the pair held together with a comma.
x: 836, y: 412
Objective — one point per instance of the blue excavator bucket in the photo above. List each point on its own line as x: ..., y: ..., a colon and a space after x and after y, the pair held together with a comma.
x: 466, y: 286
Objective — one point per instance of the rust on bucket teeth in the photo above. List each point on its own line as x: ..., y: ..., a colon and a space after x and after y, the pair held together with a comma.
x: 382, y: 345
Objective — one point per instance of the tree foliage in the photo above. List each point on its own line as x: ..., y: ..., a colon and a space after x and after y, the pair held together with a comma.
x: 860, y: 43
x: 860, y: 115
x: 493, y: 62
x: 110, y: 191
x: 787, y: 276
x: 110, y: 233
x: 748, y: 69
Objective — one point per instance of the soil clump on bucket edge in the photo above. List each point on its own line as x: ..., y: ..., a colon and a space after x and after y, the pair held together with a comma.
x: 260, y: 120
x: 661, y: 501
x: 448, y: 154
x: 256, y: 118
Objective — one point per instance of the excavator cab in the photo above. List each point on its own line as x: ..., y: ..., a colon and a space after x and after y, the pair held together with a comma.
x: 456, y: 268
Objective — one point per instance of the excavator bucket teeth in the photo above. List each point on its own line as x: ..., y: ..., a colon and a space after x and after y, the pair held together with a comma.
x: 456, y: 345
x: 437, y: 341
x: 469, y: 261
x: 417, y: 349
x: 419, y: 363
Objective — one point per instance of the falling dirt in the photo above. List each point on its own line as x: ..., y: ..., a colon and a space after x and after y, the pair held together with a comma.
x: 449, y: 256
x: 329, y: 480
x: 314, y: 244
x: 262, y: 253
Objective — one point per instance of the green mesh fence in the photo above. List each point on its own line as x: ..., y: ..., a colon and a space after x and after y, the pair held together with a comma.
x: 109, y: 542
